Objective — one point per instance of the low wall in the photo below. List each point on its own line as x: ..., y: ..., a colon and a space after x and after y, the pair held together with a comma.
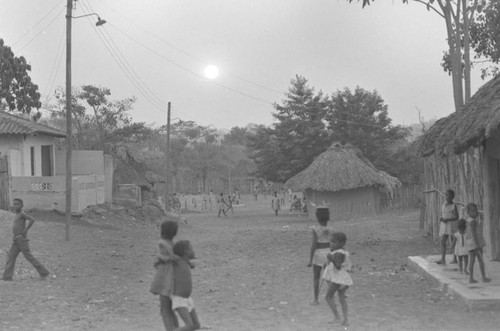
x: 50, y: 192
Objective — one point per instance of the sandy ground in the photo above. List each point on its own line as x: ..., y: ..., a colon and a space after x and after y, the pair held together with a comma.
x: 251, y: 274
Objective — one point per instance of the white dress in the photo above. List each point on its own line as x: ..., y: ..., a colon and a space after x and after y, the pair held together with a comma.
x: 341, y: 277
x: 448, y: 211
x: 461, y: 245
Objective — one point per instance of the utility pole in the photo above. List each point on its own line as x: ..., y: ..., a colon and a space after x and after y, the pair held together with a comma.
x: 69, y: 176
x: 167, y: 183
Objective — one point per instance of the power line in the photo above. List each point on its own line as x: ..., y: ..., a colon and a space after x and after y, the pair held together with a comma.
x: 56, y: 65
x: 191, y: 55
x: 42, y: 30
x: 123, y: 67
x: 34, y: 25
x: 134, y: 73
x: 131, y: 70
x: 187, y: 69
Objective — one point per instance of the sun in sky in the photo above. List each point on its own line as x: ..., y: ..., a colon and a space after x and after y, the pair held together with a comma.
x: 211, y: 71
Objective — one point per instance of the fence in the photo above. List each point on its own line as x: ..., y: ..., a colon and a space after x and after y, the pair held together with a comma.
x: 4, y: 183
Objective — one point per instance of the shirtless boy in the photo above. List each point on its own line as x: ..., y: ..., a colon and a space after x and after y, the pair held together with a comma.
x: 181, y: 299
x: 20, y: 243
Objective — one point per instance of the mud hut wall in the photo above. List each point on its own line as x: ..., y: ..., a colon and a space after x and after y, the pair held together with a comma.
x: 462, y: 173
x: 344, y: 204
x: 492, y: 196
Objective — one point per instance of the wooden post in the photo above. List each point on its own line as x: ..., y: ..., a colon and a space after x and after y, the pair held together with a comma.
x: 167, y: 182
x: 68, y: 118
x: 4, y: 183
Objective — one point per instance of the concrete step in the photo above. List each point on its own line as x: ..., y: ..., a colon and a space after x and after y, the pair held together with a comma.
x: 477, y: 296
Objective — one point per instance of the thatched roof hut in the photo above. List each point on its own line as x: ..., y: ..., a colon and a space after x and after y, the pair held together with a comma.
x: 477, y: 122
x: 462, y: 152
x: 345, y: 181
x: 338, y: 168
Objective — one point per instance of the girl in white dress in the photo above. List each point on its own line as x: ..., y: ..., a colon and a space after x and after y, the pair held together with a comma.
x: 337, y: 276
x: 447, y: 225
x: 461, y: 246
x: 320, y: 247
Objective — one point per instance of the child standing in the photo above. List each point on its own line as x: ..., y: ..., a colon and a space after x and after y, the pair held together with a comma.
x: 163, y: 281
x: 20, y: 243
x: 337, y: 276
x: 460, y: 246
x: 222, y: 205
x: 449, y: 214
x: 182, y: 302
x: 229, y: 205
x: 275, y: 203
x: 320, y: 247
x: 475, y: 242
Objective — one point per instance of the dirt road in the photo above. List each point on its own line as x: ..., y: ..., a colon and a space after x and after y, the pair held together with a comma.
x: 251, y: 274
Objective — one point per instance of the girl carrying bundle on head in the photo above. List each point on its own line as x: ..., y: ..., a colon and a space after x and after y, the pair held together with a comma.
x: 320, y: 247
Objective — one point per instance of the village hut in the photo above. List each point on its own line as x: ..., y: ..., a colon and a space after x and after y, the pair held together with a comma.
x: 462, y: 152
x: 342, y: 179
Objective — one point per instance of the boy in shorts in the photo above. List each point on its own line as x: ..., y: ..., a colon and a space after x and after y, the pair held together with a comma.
x: 182, y: 303
x: 20, y: 243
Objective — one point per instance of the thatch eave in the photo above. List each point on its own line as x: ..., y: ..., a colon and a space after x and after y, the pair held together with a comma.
x: 459, y: 131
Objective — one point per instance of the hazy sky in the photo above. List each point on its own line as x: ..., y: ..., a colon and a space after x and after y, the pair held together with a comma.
x: 258, y: 45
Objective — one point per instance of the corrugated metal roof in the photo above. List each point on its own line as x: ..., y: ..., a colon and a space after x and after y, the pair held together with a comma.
x: 11, y: 124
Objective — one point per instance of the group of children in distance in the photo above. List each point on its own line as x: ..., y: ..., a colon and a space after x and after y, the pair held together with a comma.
x: 330, y: 262
x: 467, y: 241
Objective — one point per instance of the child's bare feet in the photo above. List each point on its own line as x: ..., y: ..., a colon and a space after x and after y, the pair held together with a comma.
x: 337, y: 320
x: 472, y: 281
x: 345, y: 323
x: 441, y: 262
x: 486, y: 280
x: 315, y: 303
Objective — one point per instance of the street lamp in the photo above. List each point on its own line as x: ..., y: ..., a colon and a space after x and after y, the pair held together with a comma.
x: 68, y: 109
x: 99, y: 20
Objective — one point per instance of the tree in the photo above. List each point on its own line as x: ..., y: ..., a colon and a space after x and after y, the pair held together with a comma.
x: 308, y: 123
x: 236, y: 136
x: 265, y: 152
x: 485, y: 32
x: 93, y: 130
x: 300, y: 130
x: 107, y: 114
x: 17, y: 90
x: 360, y: 117
x: 459, y: 16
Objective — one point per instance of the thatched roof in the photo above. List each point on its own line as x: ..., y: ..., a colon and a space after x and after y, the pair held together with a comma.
x: 341, y: 167
x: 470, y: 127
